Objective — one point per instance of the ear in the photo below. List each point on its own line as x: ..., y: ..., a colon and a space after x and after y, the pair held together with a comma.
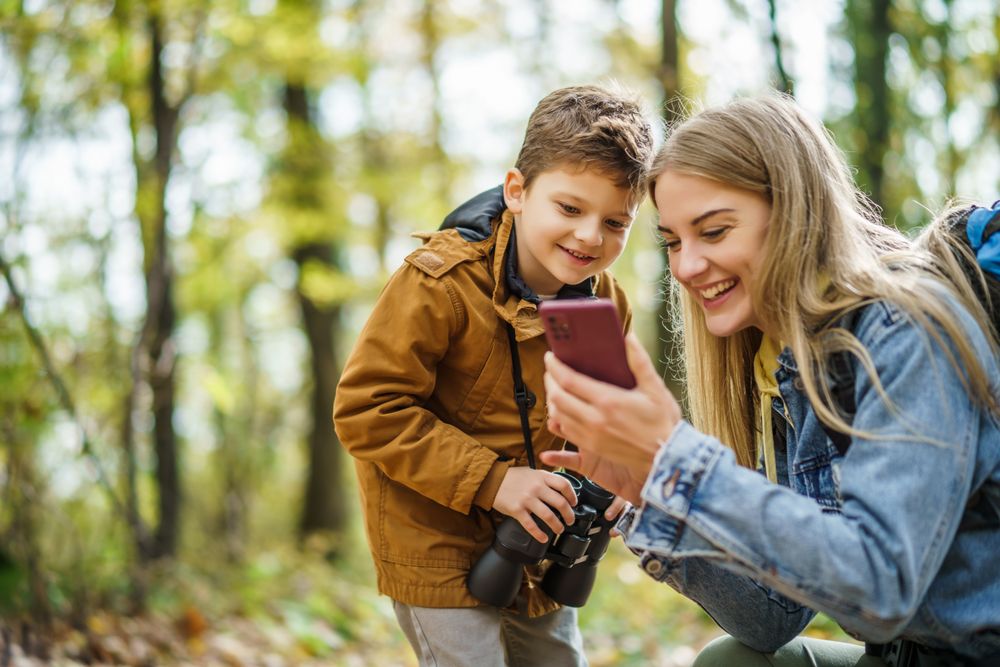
x: 513, y: 190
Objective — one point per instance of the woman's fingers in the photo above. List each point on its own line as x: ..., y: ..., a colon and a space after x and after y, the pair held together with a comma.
x: 576, y: 417
x: 640, y: 362
x: 556, y: 428
x: 575, y: 383
x: 562, y: 459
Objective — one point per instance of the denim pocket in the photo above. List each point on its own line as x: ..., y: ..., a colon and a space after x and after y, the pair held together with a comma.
x: 813, y: 477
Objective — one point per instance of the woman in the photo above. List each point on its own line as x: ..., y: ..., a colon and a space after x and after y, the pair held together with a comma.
x: 781, y: 269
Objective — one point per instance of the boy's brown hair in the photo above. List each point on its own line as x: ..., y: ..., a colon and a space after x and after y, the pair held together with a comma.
x: 589, y: 127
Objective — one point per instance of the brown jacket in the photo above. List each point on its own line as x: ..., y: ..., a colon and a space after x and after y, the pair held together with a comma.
x: 426, y: 407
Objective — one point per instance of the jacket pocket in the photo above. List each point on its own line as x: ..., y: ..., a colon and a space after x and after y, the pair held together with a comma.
x: 415, y: 530
x: 485, y: 384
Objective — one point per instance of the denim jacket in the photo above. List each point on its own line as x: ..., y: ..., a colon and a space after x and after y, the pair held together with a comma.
x: 900, y: 536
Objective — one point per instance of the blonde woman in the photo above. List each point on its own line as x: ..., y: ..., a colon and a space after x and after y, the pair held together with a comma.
x: 789, y: 287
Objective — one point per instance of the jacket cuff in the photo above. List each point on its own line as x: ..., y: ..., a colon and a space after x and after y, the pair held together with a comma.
x: 677, y: 470
x: 655, y: 531
x: 487, y: 492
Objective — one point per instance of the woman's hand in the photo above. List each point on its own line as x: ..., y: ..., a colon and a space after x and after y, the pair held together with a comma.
x: 621, y: 480
x: 611, y: 425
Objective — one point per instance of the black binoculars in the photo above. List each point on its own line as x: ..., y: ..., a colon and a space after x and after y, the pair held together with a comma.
x: 496, y: 577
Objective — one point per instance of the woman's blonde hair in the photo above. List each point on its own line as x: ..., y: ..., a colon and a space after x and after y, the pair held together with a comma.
x: 828, y: 255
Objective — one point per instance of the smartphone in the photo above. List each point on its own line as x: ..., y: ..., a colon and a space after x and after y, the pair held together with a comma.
x: 586, y: 335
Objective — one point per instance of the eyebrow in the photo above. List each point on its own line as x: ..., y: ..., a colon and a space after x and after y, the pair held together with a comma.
x: 574, y: 199
x: 701, y: 218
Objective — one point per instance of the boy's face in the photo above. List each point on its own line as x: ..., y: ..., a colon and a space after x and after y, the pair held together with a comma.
x: 571, y: 225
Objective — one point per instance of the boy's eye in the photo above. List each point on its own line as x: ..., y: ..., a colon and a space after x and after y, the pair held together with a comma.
x: 570, y: 210
x: 616, y: 224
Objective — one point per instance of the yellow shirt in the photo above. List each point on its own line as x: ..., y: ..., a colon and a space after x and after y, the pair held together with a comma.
x: 765, y: 364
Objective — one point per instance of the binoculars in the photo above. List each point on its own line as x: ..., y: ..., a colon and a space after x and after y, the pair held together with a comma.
x: 496, y: 577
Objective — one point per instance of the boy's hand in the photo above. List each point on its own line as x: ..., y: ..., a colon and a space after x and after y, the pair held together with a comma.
x: 614, y: 511
x: 525, y: 492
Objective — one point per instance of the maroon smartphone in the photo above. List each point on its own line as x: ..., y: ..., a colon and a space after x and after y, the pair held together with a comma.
x: 586, y: 335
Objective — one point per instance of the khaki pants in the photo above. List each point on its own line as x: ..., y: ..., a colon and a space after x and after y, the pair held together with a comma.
x: 491, y: 637
x: 800, y: 652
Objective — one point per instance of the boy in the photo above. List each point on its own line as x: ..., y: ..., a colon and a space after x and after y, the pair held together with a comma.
x: 426, y: 403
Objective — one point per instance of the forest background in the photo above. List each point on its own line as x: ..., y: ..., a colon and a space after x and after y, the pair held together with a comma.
x: 199, y: 202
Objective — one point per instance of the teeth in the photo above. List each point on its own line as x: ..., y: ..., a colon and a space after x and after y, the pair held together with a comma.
x: 578, y: 254
x: 716, y: 290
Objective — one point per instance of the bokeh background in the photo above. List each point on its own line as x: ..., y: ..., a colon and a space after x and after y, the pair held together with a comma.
x: 199, y: 202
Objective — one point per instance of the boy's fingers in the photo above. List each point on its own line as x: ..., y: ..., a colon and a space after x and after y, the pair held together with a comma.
x: 529, y: 525
x: 545, y: 513
x: 559, y: 503
x: 559, y: 497
x: 563, y: 486
x: 615, y: 508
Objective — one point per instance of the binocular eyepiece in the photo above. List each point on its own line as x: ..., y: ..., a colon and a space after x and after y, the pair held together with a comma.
x: 496, y: 577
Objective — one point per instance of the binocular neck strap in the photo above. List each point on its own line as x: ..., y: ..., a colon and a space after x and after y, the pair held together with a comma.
x: 525, y: 399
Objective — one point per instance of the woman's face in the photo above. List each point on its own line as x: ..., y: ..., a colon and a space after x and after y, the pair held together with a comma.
x: 714, y: 234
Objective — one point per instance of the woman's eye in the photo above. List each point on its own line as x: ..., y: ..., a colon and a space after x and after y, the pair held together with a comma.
x: 570, y: 210
x: 714, y: 233
x: 671, y: 246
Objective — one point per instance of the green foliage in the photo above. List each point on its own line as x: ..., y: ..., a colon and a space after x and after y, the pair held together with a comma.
x: 13, y: 585
x: 337, y: 185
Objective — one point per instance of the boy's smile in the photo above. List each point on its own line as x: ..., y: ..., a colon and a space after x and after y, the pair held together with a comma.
x: 570, y: 225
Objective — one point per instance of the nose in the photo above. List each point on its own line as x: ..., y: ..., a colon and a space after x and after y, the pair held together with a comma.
x: 686, y: 263
x: 589, y: 232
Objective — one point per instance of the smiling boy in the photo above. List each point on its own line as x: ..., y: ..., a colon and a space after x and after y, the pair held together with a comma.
x: 426, y: 403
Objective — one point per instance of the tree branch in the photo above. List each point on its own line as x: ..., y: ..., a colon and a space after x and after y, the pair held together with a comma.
x: 65, y: 398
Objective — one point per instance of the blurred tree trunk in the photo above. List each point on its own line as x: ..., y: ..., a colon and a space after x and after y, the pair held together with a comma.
x: 668, y: 345
x: 325, y: 505
x: 236, y: 427
x: 22, y: 493
x: 160, y: 348
x: 784, y: 81
x: 869, y: 28
x: 153, y: 361
x: 431, y: 35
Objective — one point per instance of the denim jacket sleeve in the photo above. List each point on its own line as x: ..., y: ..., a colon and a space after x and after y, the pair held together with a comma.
x: 902, y: 492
